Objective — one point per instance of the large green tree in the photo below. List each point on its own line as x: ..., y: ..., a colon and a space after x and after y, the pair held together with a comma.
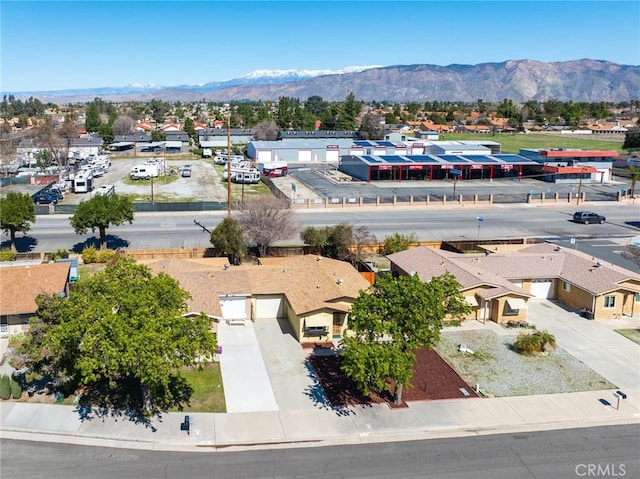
x: 631, y: 140
x: 100, y: 212
x: 227, y: 239
x: 390, y: 321
x: 121, y: 329
x: 93, y: 121
x: 17, y: 212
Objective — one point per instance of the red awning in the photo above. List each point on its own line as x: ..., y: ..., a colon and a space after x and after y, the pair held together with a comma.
x: 565, y: 170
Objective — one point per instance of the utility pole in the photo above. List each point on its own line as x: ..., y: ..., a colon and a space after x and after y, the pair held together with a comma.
x: 580, y: 184
x: 229, y: 164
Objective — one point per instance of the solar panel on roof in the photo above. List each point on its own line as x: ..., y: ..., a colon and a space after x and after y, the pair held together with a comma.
x: 513, y: 158
x: 385, y: 143
x: 421, y: 158
x: 394, y: 159
x: 480, y: 159
x: 371, y: 159
x: 453, y: 159
x: 363, y: 143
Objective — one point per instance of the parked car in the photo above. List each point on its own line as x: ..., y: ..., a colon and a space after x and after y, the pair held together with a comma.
x: 588, y: 217
x: 186, y: 171
x: 45, y: 198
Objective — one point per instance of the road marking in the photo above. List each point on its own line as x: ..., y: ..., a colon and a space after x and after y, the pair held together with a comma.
x: 167, y: 225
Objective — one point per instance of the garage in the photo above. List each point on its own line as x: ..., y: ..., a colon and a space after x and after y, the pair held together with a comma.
x: 233, y: 307
x: 332, y: 156
x: 542, y: 288
x: 265, y: 156
x: 268, y: 307
x: 304, y: 156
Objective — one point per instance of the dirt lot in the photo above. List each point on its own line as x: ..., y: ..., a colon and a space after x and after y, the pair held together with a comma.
x: 204, y: 184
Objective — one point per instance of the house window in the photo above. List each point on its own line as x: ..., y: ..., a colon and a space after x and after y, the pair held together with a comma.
x: 637, y: 297
x: 315, y: 331
x: 509, y: 311
x: 566, y: 286
x: 609, y: 301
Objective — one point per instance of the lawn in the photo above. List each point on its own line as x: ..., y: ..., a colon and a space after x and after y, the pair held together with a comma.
x: 632, y: 334
x: 501, y: 371
x: 208, y: 391
x: 513, y: 143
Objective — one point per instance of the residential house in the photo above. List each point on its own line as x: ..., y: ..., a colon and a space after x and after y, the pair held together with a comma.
x: 314, y: 294
x: 503, y: 282
x: 20, y: 285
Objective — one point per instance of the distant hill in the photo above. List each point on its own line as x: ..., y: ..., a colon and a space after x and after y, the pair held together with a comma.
x: 520, y: 80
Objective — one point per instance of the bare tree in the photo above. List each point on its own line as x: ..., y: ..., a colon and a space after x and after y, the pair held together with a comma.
x: 632, y: 253
x: 361, y: 237
x: 265, y: 220
x: 266, y: 131
x: 47, y: 138
x: 68, y: 132
x: 7, y: 148
x: 123, y: 125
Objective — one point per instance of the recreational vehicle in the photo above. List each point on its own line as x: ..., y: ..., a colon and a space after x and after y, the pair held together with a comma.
x: 106, y: 190
x: 83, y: 181
x: 144, y: 172
x: 273, y: 168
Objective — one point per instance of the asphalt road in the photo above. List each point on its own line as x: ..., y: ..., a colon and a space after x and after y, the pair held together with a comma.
x: 177, y: 229
x: 611, y: 450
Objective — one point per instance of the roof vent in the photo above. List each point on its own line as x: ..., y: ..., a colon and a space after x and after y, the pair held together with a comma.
x: 598, y: 264
x: 340, y: 281
x: 226, y: 266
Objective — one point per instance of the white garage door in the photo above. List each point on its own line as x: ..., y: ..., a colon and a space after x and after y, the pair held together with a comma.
x: 542, y: 288
x: 233, y: 307
x: 333, y: 156
x: 304, y: 156
x: 265, y: 155
x: 268, y: 307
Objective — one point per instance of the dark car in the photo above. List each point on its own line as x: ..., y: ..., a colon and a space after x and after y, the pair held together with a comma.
x: 45, y: 198
x: 588, y: 217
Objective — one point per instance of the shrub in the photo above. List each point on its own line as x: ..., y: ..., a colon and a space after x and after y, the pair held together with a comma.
x: 105, y: 255
x: 16, y: 388
x: 398, y: 242
x: 5, y: 387
x: 7, y: 254
x: 535, y: 343
x: 60, y: 253
x: 89, y: 255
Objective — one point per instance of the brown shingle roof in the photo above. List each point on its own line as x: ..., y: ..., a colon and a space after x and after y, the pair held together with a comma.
x: 20, y: 285
x: 543, y: 260
x: 308, y: 283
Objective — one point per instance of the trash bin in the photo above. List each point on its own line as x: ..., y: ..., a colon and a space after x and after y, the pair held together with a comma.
x: 588, y: 314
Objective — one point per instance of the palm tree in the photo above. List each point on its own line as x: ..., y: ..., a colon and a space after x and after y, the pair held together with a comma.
x: 527, y: 343
x: 546, y: 340
x: 634, y: 174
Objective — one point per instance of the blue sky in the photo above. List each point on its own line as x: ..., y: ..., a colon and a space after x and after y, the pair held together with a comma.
x: 55, y: 45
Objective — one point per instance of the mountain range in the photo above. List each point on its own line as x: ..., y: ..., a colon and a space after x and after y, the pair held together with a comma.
x: 520, y: 80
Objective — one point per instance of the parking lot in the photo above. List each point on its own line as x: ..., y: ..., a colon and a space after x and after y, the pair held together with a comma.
x: 204, y: 184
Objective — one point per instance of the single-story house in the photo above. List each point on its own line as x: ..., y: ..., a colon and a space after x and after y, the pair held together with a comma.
x: 313, y: 293
x: 20, y: 286
x: 541, y: 271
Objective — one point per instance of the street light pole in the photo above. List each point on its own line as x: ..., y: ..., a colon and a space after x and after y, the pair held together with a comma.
x: 229, y: 165
x: 580, y: 184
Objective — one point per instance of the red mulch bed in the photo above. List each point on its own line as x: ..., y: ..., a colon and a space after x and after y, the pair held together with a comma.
x: 432, y: 379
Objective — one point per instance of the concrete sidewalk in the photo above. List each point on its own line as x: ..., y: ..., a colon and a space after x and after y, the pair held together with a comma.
x: 431, y: 419
x: 271, y: 401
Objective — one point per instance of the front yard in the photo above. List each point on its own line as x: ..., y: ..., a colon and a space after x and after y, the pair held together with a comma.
x: 501, y: 371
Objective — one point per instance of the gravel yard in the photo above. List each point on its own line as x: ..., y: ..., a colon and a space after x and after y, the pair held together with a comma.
x: 501, y: 371
x: 204, y: 184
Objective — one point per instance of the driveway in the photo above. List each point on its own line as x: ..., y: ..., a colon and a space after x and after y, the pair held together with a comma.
x: 293, y: 380
x: 246, y: 383
x: 595, y: 343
